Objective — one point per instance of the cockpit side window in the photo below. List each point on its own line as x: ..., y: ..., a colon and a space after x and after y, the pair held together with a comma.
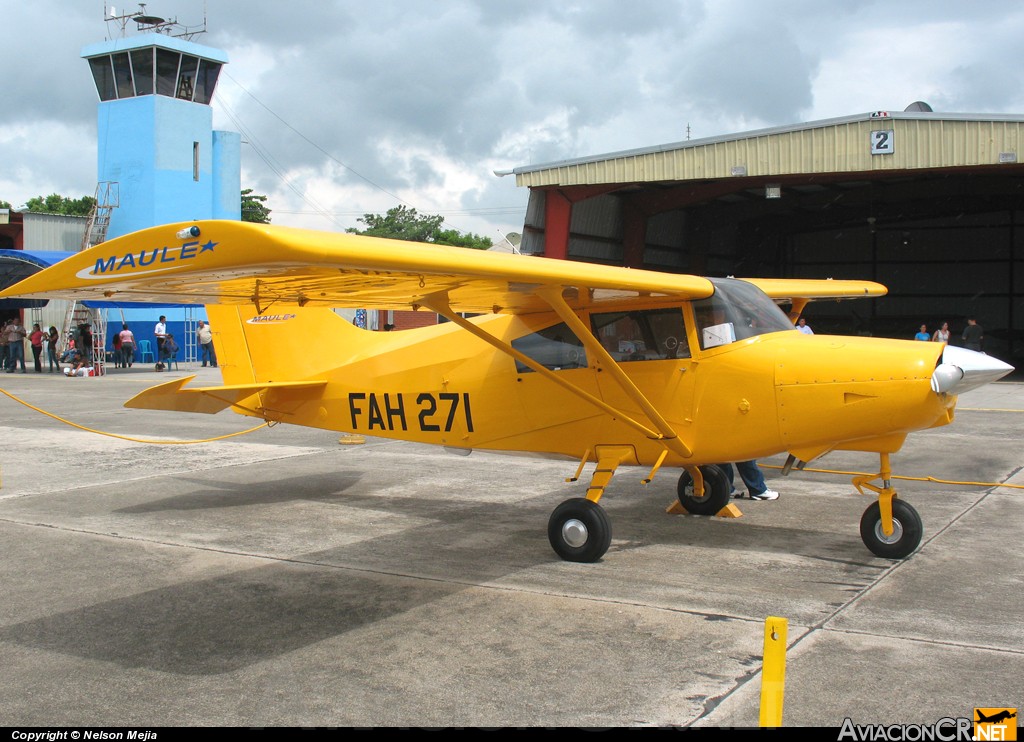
x: 642, y: 335
x: 736, y: 311
x: 554, y: 347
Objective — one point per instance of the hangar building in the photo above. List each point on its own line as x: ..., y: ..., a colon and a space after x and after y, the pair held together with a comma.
x: 925, y: 203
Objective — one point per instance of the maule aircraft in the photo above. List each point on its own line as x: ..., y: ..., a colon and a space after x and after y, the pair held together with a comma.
x: 603, y: 364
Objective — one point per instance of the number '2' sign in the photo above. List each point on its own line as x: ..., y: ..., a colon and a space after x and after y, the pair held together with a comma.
x: 882, y: 142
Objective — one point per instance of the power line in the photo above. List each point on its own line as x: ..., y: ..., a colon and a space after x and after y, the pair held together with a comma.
x: 319, y: 210
x: 313, y: 144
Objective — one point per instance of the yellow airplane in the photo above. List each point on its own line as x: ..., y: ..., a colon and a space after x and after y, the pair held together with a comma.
x: 602, y: 364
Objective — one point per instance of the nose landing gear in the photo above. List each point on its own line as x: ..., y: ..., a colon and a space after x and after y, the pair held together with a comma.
x: 891, y: 528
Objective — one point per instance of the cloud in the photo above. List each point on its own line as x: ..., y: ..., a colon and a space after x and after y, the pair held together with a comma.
x: 348, y: 107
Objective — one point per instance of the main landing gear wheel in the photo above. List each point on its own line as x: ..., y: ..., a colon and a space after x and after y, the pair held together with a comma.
x: 579, y: 530
x: 717, y: 491
x: 906, y: 530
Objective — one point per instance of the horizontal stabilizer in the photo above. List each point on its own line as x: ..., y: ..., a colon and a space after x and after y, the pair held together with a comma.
x: 208, y: 399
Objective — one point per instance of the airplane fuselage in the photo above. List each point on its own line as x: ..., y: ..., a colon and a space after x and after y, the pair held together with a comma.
x: 747, y: 398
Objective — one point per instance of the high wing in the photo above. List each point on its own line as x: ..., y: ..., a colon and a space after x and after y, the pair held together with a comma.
x: 228, y: 262
x: 798, y: 292
x: 795, y: 289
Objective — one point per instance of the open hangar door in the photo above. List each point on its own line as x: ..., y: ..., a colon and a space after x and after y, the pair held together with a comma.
x: 945, y: 243
x: 947, y: 246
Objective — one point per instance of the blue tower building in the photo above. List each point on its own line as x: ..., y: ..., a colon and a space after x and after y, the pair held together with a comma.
x: 157, y: 152
x: 155, y: 131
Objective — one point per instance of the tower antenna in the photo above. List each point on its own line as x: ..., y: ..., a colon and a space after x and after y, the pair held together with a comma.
x: 148, y: 23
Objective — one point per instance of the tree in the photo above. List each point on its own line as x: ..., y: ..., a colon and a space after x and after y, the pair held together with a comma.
x: 57, y: 204
x: 402, y: 223
x: 254, y: 208
x: 5, y: 205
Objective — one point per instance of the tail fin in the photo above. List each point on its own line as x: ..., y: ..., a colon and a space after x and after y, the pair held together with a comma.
x: 292, y: 344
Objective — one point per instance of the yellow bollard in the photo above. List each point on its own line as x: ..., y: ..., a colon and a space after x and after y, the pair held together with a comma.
x: 773, y: 671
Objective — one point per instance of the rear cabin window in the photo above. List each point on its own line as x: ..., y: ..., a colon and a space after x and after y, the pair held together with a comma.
x: 555, y: 348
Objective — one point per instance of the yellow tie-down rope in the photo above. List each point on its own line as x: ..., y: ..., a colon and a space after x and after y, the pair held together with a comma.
x: 905, y: 478
x: 128, y: 437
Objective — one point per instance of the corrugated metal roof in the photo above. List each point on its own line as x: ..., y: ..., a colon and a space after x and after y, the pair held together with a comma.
x: 908, y: 141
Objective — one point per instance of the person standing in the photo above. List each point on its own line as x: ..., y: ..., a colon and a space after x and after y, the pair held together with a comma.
x: 942, y: 334
x: 85, y: 343
x: 115, y: 343
x: 127, y: 346
x: 973, y: 336
x: 204, y: 337
x: 803, y: 327
x: 922, y: 334
x: 36, y: 340
x: 15, y: 346
x: 160, y: 331
x: 752, y: 477
x: 3, y: 346
x: 52, y: 337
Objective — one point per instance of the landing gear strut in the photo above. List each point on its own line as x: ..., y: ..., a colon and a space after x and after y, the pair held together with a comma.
x: 890, y: 528
x: 579, y: 529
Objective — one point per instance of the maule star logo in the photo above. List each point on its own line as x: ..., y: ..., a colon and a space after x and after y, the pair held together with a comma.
x: 155, y: 260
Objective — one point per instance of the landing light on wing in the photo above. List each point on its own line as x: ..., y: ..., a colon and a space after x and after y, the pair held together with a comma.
x: 962, y: 370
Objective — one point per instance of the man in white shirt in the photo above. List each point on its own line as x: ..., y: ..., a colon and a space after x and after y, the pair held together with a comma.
x: 803, y: 327
x: 161, y: 334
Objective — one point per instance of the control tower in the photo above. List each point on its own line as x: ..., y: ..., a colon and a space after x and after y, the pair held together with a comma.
x: 155, y: 137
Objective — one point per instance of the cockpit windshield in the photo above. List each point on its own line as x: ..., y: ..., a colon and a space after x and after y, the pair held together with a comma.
x: 736, y: 311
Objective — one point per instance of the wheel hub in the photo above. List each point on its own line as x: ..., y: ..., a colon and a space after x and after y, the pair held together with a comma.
x: 574, y: 533
x: 897, y: 532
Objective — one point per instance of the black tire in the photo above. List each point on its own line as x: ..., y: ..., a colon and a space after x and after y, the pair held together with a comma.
x: 579, y: 530
x: 906, y: 535
x: 717, y: 491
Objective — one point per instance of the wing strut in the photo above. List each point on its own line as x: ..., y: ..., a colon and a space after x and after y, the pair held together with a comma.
x: 668, y: 436
x: 439, y: 303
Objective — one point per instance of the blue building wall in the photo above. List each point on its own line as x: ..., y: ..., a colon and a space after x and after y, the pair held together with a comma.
x: 227, y: 175
x: 147, y: 146
x: 142, y: 320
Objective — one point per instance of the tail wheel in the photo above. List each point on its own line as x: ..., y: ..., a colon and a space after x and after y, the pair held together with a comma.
x: 579, y: 530
x: 717, y: 491
x: 907, y: 530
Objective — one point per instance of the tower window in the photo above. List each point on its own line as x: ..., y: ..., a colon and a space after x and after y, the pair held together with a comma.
x: 142, y: 68
x: 167, y: 63
x: 103, y: 76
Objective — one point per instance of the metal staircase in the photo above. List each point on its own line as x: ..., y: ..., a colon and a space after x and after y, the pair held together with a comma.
x: 107, y: 199
x: 88, y: 327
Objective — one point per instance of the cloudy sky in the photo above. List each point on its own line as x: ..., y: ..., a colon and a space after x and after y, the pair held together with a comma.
x: 354, y: 106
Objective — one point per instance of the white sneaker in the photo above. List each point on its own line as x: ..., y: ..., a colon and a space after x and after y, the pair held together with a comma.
x: 735, y: 493
x: 766, y: 495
